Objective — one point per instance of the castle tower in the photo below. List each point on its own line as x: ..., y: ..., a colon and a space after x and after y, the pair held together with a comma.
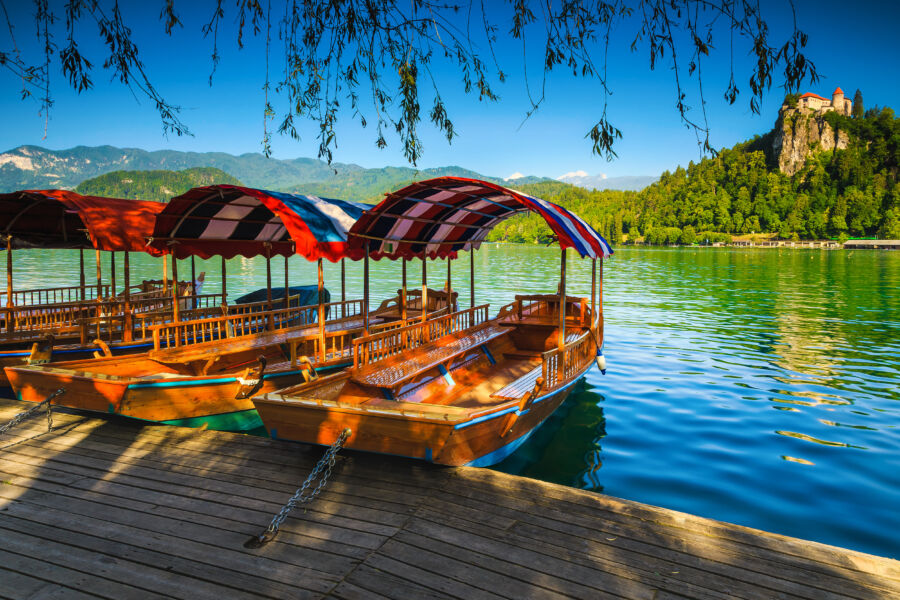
x: 837, y: 101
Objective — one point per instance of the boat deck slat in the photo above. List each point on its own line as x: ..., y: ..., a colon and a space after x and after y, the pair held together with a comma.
x: 521, y: 386
x: 117, y: 509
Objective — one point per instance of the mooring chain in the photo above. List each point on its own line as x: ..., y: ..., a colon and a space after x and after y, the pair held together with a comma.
x: 322, y: 472
x: 46, y: 403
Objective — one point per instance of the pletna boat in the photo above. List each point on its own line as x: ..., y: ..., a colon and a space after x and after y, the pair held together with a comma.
x: 204, y: 371
x: 43, y: 324
x: 465, y: 388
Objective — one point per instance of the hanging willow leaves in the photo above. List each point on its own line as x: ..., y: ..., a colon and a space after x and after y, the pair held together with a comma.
x: 376, y: 62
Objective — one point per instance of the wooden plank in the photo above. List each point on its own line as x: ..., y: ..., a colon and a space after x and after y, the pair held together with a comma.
x: 381, y: 580
x: 201, y: 565
x: 101, y: 568
x: 116, y: 509
x: 570, y: 563
x: 574, y: 531
x: 38, y: 572
x: 357, y: 517
x: 518, y: 572
x: 470, y: 575
x: 311, y: 534
x: 348, y: 591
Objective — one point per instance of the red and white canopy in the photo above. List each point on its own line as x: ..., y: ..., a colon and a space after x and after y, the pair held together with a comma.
x: 64, y: 219
x: 442, y: 216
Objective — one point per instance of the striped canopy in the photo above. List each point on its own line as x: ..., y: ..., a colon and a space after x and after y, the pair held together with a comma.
x: 441, y: 216
x: 229, y: 220
x: 64, y: 219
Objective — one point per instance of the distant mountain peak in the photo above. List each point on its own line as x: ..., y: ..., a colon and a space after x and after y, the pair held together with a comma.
x: 604, y: 182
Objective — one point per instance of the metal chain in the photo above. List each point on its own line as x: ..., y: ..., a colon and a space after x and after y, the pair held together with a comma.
x: 322, y: 472
x: 46, y: 403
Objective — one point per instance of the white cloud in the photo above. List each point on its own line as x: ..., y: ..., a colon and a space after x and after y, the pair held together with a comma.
x: 515, y: 175
x: 571, y: 174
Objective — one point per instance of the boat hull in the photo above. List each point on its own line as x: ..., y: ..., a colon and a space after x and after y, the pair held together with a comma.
x: 18, y: 357
x: 189, y: 401
x: 482, y: 440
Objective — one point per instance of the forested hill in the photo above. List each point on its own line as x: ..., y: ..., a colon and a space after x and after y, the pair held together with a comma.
x: 159, y: 186
x: 846, y: 192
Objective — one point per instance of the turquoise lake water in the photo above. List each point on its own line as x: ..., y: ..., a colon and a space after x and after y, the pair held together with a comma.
x: 758, y: 386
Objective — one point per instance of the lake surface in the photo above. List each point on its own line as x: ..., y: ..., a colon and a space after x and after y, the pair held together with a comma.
x: 758, y: 386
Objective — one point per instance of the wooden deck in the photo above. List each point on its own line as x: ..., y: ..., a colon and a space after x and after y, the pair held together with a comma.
x: 118, y: 510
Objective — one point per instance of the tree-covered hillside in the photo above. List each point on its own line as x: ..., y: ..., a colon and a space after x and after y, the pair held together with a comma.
x: 851, y: 192
x: 159, y: 186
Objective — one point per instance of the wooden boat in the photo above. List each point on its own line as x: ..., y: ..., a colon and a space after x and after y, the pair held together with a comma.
x: 457, y: 390
x: 203, y: 372
x: 463, y: 389
x: 43, y: 324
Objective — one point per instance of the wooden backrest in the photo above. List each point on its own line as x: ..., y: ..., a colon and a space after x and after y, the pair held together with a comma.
x: 375, y: 347
x: 436, y: 298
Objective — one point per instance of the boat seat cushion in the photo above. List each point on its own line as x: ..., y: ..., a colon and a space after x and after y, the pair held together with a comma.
x: 409, y: 364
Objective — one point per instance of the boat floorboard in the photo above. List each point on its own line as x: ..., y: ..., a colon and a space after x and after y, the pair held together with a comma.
x: 116, y: 509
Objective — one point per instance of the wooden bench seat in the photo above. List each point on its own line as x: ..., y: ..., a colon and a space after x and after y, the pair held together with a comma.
x: 520, y: 387
x: 412, y: 363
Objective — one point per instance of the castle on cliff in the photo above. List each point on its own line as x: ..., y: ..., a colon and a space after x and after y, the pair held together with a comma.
x: 819, y: 104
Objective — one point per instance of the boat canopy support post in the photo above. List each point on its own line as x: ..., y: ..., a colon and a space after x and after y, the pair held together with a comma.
x: 424, y: 287
x: 129, y: 324
x: 165, y: 259
x: 403, y: 293
x: 193, y: 287
x: 600, y: 298
x: 112, y: 275
x: 175, y: 312
x: 449, y: 287
x: 321, y: 315
x: 269, y: 322
x: 366, y: 292
x: 224, y: 283
x: 593, y: 287
x: 269, y: 277
x: 472, y: 277
x: 343, y: 287
x: 81, y: 278
x: 561, y: 341
x: 287, y: 286
x: 9, y: 274
x: 99, y: 275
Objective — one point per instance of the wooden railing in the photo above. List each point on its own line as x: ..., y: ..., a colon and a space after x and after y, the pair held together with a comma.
x: 561, y: 366
x: 547, y: 306
x: 378, y: 346
x: 106, y: 318
x: 246, y: 323
x: 55, y: 295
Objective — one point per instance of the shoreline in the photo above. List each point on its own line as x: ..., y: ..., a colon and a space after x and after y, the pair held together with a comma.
x: 801, y: 245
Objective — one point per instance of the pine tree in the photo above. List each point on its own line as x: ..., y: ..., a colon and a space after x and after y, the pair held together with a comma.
x: 857, y: 111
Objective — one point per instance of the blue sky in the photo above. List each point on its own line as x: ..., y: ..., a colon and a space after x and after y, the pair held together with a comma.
x: 853, y: 45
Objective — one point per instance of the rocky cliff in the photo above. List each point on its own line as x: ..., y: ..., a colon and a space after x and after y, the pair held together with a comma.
x: 800, y: 132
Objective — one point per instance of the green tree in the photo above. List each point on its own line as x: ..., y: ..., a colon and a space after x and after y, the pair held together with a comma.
x: 858, y: 110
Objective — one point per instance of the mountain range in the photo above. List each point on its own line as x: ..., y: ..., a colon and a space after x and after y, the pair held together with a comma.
x: 33, y: 167
x: 602, y: 182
